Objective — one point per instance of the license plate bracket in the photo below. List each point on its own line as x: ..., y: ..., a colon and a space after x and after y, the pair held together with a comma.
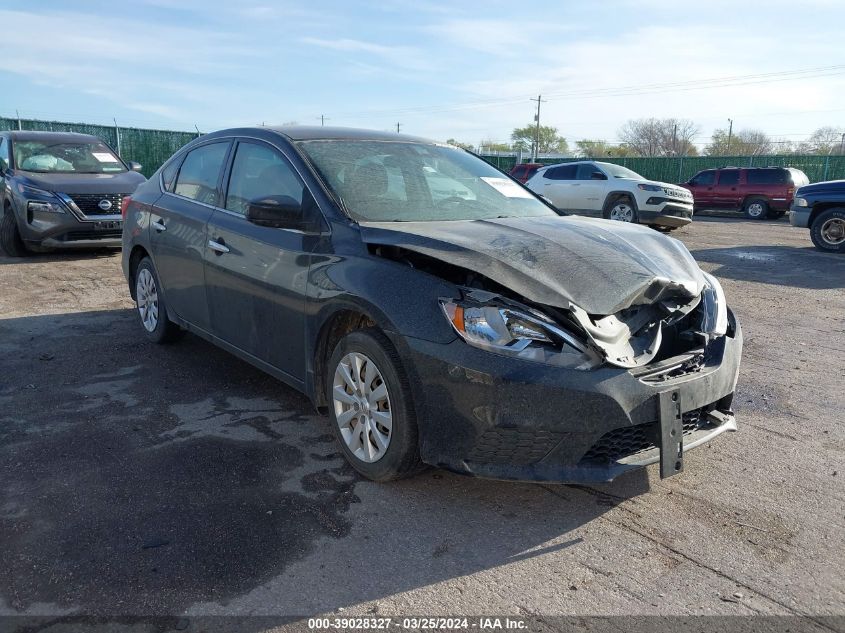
x: 671, y: 434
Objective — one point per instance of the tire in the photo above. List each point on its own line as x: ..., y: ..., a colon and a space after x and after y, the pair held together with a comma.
x: 361, y: 359
x: 152, y: 309
x: 756, y: 208
x: 621, y: 207
x: 775, y: 214
x: 10, y: 237
x: 828, y: 231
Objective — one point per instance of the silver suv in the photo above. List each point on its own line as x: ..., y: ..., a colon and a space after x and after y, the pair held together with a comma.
x: 613, y: 192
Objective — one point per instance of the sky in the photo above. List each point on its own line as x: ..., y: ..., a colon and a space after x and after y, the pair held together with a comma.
x: 463, y: 70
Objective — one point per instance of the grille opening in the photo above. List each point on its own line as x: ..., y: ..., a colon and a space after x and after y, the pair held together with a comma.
x: 89, y: 203
x: 625, y: 442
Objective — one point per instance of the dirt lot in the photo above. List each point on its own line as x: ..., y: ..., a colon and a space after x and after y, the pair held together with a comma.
x: 138, y: 479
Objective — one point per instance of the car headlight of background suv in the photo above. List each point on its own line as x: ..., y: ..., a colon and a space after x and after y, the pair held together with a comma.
x: 800, y: 202
x: 511, y: 332
x: 40, y: 200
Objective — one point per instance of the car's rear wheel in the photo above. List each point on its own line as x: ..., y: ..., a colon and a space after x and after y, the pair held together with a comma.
x: 756, y: 208
x: 10, y: 237
x: 370, y: 407
x: 151, y: 306
x: 621, y: 209
x: 828, y: 231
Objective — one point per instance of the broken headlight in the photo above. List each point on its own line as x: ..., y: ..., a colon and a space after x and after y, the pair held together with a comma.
x: 505, y: 330
x: 715, y: 314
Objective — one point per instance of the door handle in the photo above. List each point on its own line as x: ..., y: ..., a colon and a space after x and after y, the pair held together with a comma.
x: 158, y: 225
x: 218, y: 246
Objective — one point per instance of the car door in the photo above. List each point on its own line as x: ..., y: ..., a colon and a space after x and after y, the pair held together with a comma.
x: 589, y: 189
x: 557, y: 186
x: 256, y: 275
x: 178, y: 222
x: 727, y: 191
x: 4, y: 167
x: 702, y: 186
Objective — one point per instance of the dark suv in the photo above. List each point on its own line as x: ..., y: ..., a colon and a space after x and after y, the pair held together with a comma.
x: 436, y: 310
x: 820, y: 207
x: 760, y: 192
x: 61, y: 190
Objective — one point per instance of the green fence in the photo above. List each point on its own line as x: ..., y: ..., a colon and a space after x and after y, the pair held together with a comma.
x: 148, y: 147
x: 682, y: 168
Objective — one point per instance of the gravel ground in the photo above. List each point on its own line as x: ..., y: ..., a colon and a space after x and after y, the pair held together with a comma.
x: 145, y: 480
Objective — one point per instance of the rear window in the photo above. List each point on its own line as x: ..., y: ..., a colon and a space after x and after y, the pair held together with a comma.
x: 767, y: 176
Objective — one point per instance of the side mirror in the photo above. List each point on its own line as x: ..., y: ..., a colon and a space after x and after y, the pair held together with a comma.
x: 135, y: 166
x: 282, y: 212
x: 597, y: 175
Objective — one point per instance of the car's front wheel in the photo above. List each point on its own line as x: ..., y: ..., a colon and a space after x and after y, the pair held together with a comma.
x: 370, y: 407
x: 10, y: 237
x: 621, y: 209
x: 828, y: 231
x: 151, y: 306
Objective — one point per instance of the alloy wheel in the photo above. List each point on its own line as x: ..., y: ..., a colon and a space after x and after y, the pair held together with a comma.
x: 147, y: 298
x: 833, y: 231
x: 755, y: 209
x: 622, y: 212
x: 362, y: 407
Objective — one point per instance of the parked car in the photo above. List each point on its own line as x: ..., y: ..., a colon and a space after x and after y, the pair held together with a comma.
x: 613, y: 192
x: 760, y: 192
x: 821, y: 208
x: 523, y: 171
x: 61, y: 190
x: 482, y: 332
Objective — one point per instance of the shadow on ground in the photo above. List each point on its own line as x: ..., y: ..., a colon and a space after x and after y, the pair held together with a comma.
x: 780, y: 265
x: 58, y: 256
x: 141, y: 479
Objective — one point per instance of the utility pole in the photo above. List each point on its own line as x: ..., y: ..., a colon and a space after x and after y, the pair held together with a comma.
x: 117, y: 136
x: 539, y: 100
x: 19, y: 119
x: 398, y: 125
x: 730, y: 133
x: 842, y: 144
x: 323, y: 119
x: 675, y: 139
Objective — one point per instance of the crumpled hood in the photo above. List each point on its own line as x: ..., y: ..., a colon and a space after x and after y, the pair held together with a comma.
x: 599, y: 265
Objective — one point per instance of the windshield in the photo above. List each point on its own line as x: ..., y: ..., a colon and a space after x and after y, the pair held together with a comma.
x: 617, y: 171
x: 396, y: 181
x: 66, y: 157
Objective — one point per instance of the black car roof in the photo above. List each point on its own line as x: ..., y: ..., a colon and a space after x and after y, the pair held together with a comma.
x: 29, y: 135
x: 318, y: 132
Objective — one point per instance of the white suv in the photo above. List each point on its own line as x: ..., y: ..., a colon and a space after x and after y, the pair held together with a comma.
x: 613, y: 192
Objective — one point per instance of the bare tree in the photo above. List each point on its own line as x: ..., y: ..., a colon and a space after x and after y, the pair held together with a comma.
x: 742, y: 143
x: 825, y: 140
x: 660, y: 137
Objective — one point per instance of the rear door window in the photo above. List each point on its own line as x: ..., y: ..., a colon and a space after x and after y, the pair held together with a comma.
x: 4, y: 153
x: 729, y: 177
x: 200, y: 173
x: 168, y: 174
x: 564, y: 172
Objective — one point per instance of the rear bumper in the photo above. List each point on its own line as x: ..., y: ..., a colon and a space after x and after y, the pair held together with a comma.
x: 491, y: 416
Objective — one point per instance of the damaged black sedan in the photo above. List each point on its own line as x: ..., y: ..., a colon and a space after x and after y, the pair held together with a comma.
x: 438, y: 311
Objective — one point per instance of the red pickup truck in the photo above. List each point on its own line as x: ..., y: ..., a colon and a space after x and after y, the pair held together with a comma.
x: 760, y: 192
x: 524, y: 171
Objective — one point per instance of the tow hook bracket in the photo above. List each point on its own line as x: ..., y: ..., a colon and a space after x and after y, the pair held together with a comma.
x: 671, y: 434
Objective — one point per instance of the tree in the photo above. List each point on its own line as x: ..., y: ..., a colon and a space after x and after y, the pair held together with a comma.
x: 660, y: 137
x: 524, y: 137
x: 825, y: 140
x: 742, y: 143
x: 587, y: 148
x: 452, y: 141
x: 489, y: 145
